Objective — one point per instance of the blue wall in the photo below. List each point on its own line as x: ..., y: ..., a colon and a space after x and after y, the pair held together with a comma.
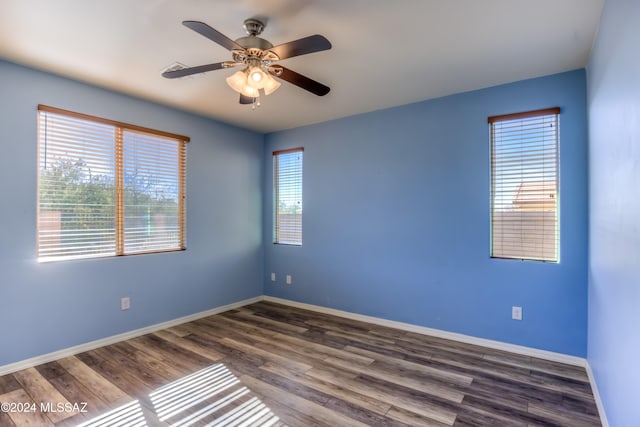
x: 396, y: 222
x: 396, y: 219
x: 47, y: 307
x: 614, y: 194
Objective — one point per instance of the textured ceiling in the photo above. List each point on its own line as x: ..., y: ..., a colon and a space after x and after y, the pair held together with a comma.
x: 384, y: 53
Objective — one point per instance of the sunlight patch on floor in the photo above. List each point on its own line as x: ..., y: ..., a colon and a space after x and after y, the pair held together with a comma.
x: 129, y: 415
x: 212, y: 396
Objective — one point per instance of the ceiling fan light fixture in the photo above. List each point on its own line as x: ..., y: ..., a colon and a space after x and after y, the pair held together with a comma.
x: 256, y: 75
x: 238, y: 82
x: 250, y: 92
x: 257, y: 78
x: 271, y: 85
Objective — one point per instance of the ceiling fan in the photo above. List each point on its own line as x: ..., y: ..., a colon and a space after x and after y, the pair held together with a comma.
x: 258, y: 58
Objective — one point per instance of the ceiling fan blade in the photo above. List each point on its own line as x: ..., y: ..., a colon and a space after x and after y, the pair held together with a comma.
x: 315, y: 43
x: 246, y: 99
x: 301, y: 81
x: 193, y: 70
x: 211, y: 34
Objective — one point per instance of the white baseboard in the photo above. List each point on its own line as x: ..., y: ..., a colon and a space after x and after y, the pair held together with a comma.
x: 50, y: 357
x: 498, y: 345
x: 596, y: 396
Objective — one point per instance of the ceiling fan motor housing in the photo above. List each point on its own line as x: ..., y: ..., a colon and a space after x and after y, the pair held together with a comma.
x: 254, y: 42
x: 254, y: 28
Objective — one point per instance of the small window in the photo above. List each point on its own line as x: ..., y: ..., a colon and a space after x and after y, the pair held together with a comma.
x: 287, y: 197
x: 524, y: 186
x: 107, y: 188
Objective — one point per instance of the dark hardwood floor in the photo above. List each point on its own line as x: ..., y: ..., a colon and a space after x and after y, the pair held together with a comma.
x: 270, y: 364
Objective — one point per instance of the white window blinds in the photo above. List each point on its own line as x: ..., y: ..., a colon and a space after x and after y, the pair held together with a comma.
x: 524, y: 185
x: 107, y: 188
x: 153, y: 166
x: 287, y: 192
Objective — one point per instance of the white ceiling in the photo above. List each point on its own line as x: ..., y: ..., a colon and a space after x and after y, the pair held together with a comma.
x: 385, y: 53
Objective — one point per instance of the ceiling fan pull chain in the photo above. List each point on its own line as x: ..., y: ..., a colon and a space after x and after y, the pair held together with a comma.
x: 255, y: 103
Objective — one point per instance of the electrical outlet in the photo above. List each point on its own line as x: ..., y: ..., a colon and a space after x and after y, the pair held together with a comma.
x: 288, y: 279
x: 125, y: 303
x: 516, y: 313
x: 273, y: 277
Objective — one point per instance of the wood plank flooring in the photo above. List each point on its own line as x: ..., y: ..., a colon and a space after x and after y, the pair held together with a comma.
x: 270, y: 364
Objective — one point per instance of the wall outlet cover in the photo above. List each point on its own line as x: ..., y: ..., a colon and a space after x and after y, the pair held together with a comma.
x: 516, y: 313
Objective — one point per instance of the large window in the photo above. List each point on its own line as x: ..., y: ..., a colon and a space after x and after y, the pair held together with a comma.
x: 287, y: 196
x: 107, y: 188
x: 524, y: 185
